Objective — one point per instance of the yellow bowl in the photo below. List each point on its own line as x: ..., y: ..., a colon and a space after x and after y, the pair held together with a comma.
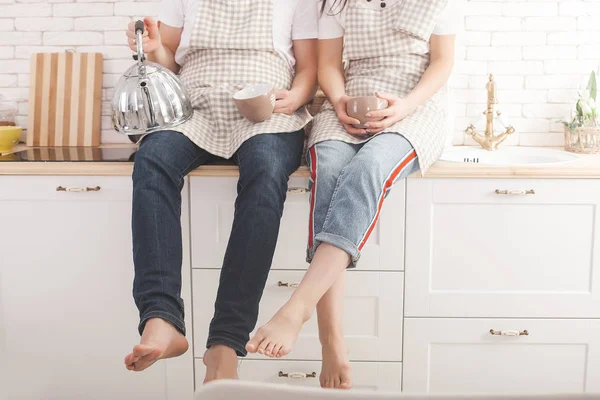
x: 9, y: 137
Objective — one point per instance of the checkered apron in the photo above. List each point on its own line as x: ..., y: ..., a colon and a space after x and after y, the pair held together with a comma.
x: 231, y: 47
x: 387, y: 50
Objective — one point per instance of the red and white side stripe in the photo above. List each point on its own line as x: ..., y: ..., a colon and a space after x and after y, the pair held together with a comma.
x: 313, y: 196
x: 387, y: 186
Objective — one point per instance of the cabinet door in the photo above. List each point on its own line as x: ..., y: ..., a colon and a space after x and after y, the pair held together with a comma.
x: 473, y: 252
x: 372, y: 314
x: 65, y: 293
x: 213, y: 202
x: 384, y: 376
x: 462, y: 356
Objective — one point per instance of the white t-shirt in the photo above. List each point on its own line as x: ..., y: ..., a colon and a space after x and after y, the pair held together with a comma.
x: 332, y: 24
x: 292, y: 20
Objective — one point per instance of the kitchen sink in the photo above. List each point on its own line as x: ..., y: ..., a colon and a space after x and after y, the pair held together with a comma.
x: 507, y: 156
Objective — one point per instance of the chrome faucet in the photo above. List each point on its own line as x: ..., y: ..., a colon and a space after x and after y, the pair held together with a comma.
x: 490, y: 141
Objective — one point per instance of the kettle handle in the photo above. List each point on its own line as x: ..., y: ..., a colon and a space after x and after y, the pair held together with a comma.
x: 139, y: 31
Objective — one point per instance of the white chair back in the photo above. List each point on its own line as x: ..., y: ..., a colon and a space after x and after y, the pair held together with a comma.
x: 240, y: 390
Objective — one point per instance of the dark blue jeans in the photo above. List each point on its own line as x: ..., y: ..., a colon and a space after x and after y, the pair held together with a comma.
x: 163, y: 160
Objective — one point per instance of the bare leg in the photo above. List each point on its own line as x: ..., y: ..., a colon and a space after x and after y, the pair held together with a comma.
x: 276, y: 338
x: 336, y: 372
x: 160, y: 340
x: 221, y: 363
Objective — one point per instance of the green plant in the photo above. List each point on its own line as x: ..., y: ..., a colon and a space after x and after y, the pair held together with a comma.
x: 586, y: 112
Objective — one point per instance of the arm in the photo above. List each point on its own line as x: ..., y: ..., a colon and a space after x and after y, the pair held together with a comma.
x: 304, y: 86
x: 436, y: 75
x: 332, y: 80
x: 440, y: 68
x: 160, y: 42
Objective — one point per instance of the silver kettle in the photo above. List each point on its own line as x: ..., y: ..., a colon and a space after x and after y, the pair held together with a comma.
x: 148, y: 97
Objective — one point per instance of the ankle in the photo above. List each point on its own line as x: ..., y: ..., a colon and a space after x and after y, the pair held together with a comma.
x: 221, y: 351
x: 299, y: 308
x: 332, y: 338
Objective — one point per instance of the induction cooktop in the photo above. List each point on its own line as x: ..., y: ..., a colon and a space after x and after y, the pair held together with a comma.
x: 72, y: 154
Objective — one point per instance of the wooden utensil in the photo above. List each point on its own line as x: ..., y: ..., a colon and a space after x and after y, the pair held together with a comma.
x: 65, y: 97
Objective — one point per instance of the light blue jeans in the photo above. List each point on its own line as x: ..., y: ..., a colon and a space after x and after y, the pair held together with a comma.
x: 348, y: 185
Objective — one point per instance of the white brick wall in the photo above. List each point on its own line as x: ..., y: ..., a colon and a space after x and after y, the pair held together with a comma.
x: 541, y: 52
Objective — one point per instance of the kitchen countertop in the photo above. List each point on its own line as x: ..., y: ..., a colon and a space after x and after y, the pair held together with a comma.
x: 586, y: 167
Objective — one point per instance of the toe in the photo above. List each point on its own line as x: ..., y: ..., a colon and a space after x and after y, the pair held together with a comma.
x: 284, y: 351
x: 269, y: 350
x: 275, y: 350
x: 337, y: 382
x: 263, y: 346
x: 346, y: 385
x: 130, y: 359
x: 144, y: 363
x: 252, y: 345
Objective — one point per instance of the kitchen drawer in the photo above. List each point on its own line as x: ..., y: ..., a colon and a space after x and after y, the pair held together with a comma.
x: 44, y: 188
x: 372, y: 315
x: 462, y: 356
x: 212, y: 202
x: 471, y: 252
x: 383, y: 376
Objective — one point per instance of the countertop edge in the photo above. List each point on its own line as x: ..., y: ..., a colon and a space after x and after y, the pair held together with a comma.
x: 438, y: 170
x: 586, y: 167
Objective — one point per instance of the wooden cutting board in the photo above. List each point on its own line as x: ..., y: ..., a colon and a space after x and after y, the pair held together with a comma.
x: 65, y: 97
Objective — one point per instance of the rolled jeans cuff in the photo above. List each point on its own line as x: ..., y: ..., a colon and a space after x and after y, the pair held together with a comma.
x: 177, y: 322
x: 240, y: 348
x: 339, y: 242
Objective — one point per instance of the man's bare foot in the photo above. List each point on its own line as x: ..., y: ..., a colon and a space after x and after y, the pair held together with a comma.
x: 276, y: 337
x: 221, y: 363
x: 336, y: 372
x: 160, y: 340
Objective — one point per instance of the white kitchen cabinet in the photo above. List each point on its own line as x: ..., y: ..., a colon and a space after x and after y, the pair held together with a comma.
x: 382, y: 376
x: 212, y: 203
x: 68, y: 317
x: 372, y: 314
x: 461, y: 356
x: 474, y: 252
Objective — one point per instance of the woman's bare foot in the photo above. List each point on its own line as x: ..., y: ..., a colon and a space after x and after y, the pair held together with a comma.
x: 160, y: 340
x: 221, y: 363
x: 336, y: 372
x: 276, y: 337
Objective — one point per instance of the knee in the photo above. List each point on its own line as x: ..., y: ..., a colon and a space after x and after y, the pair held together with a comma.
x: 266, y: 186
x: 271, y: 176
x: 153, y: 159
x: 367, y: 172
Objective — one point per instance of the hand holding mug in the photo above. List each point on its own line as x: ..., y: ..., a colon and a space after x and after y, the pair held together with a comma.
x: 151, y: 36
x: 397, y: 110
x: 286, y: 102
x: 345, y: 119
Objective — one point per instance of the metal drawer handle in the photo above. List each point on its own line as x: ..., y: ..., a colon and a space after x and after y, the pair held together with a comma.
x: 74, y: 189
x: 515, y: 192
x: 297, y: 375
x: 288, y: 285
x: 298, y: 190
x: 509, y: 333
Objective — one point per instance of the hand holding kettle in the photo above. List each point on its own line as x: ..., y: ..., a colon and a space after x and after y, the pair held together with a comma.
x: 149, y: 96
x: 151, y: 36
